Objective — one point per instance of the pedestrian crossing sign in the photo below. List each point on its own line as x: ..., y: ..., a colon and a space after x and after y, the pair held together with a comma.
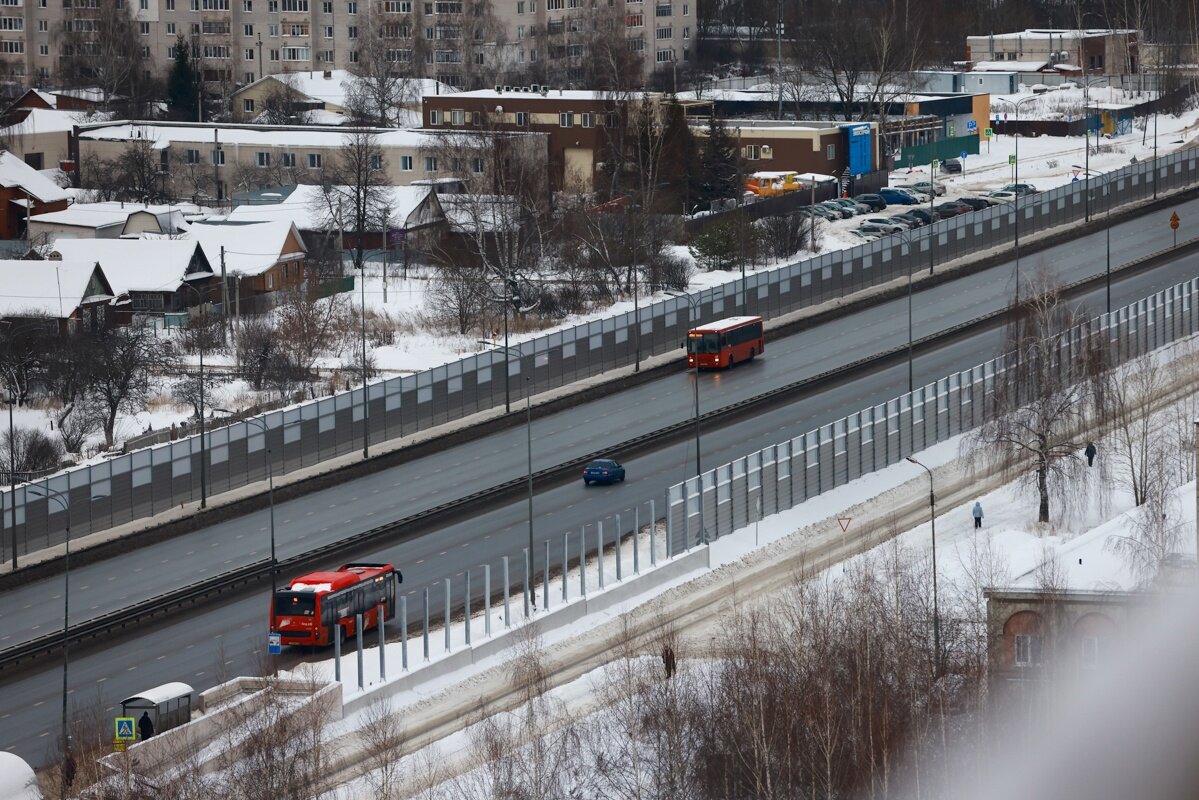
x: 125, y: 729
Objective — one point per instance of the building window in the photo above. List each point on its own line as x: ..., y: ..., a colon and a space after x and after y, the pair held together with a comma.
x: 142, y: 27
x: 522, y: 119
x: 831, y: 152
x: 430, y: 163
x: 328, y: 31
x: 352, y: 7
x: 272, y: 30
x: 634, y: 21
x: 566, y: 119
x: 248, y: 106
x: 352, y: 31
x: 171, y: 30
x: 263, y: 159
x: 287, y: 159
x: 664, y: 56
x: 376, y: 162
x: 520, y: 6
x: 476, y: 165
x: 636, y: 44
x: 686, y: 31
x: 295, y: 54
x: 295, y: 5
x: 405, y: 163
x: 274, y: 55
x: 1092, y: 651
x: 664, y: 33
x: 554, y: 5
x: 587, y: 119
x: 314, y: 161
x: 247, y: 6
x: 218, y: 157
x: 457, y: 117
x: 43, y: 25
x: 752, y: 152
x: 686, y: 9
x: 327, y: 7
x: 398, y: 6
x: 1028, y: 650
x: 434, y: 116
x: 43, y: 49
x: 249, y: 51
x: 191, y: 156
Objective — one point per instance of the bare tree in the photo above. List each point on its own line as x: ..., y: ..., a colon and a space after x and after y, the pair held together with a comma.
x: 101, y: 48
x: 1040, y: 400
x: 458, y: 296
x: 31, y: 450
x: 355, y: 192
x: 382, y: 736
x: 124, y: 364
x: 282, y: 103
x: 307, y: 327
x: 384, y: 78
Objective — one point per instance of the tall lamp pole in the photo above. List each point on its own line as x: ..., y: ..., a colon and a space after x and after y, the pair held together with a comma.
x: 270, y: 488
x: 203, y: 438
x: 1107, y: 220
x: 12, y: 477
x: 530, y: 594
x: 1016, y: 201
x: 932, y: 518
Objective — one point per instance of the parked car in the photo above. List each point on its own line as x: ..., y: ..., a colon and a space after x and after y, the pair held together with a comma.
x: 888, y: 224
x: 976, y: 203
x: 915, y: 194
x: 866, y: 236
x: 603, y: 470
x: 838, y: 209
x: 952, y: 165
x: 874, y: 201
x: 928, y: 187
x: 1002, y: 197
x: 897, y: 197
x: 924, y: 213
x: 916, y: 220
x: 880, y: 230
x: 952, y: 209
x: 853, y: 205
x: 907, y: 223
x: 1022, y: 189
x: 824, y: 212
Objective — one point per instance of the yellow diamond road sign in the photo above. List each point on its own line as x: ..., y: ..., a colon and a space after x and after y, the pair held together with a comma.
x: 125, y: 731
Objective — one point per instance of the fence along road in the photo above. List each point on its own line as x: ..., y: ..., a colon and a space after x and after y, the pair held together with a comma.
x: 780, y: 475
x: 146, y: 482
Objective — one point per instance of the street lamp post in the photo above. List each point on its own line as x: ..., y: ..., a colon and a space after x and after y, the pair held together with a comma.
x: 932, y: 518
x: 693, y: 358
x: 270, y: 488
x: 365, y: 405
x: 1016, y: 200
x: 12, y: 477
x: 203, y: 443
x: 1107, y: 220
x: 530, y: 594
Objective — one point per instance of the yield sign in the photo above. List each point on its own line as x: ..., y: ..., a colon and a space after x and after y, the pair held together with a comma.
x: 844, y: 523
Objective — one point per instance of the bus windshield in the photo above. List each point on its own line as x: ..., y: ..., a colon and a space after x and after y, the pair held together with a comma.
x: 703, y: 343
x: 295, y: 604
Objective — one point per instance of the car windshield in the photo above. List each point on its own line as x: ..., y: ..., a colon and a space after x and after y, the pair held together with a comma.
x: 703, y: 343
x: 295, y: 604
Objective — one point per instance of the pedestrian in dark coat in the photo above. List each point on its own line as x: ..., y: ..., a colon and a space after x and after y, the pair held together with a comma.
x: 978, y: 514
x: 668, y: 660
x: 145, y: 726
x: 1090, y: 454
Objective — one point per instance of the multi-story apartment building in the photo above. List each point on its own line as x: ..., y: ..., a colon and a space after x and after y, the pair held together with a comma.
x: 463, y: 43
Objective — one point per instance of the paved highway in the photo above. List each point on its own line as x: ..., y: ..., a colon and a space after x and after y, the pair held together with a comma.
x: 186, y: 651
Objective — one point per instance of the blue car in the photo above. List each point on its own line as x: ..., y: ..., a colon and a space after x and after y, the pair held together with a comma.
x: 603, y: 470
x: 899, y: 198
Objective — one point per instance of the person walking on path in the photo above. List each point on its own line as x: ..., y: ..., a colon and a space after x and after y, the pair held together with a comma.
x: 978, y: 515
x: 1090, y: 454
x: 145, y: 726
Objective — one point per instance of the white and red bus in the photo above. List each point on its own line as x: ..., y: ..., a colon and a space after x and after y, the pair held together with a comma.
x: 725, y: 342
x: 314, y: 605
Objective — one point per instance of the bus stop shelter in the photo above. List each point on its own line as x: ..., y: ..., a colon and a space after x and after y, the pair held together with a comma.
x: 169, y: 705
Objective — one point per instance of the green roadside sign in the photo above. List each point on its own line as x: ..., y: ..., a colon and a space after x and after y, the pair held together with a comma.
x: 1011, y: 159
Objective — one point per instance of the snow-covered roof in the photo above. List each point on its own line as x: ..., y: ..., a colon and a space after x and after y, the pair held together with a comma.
x: 103, y: 215
x: 44, y: 120
x: 51, y: 288
x: 307, y: 208
x: 468, y: 213
x: 163, y: 136
x: 333, y: 90
x: 15, y: 173
x: 146, y: 265
x: 250, y: 249
x: 161, y: 694
x: 730, y: 95
x: 553, y: 93
x: 1010, y: 66
x: 91, y: 94
x: 1043, y: 34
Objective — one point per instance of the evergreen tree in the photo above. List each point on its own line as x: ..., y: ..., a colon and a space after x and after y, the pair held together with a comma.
x: 181, y: 83
x: 715, y: 177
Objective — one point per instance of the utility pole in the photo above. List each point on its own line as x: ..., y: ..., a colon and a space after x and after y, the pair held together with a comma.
x: 224, y: 295
x: 779, y: 57
x: 261, y: 74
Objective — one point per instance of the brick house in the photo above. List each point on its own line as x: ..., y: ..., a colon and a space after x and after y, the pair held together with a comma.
x: 24, y: 192
x: 255, y: 257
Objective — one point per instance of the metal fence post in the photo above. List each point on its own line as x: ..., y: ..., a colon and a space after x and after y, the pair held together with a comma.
x: 337, y: 652
x: 583, y: 561
x: 404, y: 633
x: 487, y: 599
x: 636, y: 539
x: 358, y: 641
x: 670, y: 524
x: 382, y: 641
x: 545, y: 574
x: 653, y: 535
x: 425, y: 635
x: 447, y: 615
x: 617, y: 549
x: 466, y: 619
x: 565, y: 566
x: 530, y: 591
x: 507, y: 613
x: 600, y: 538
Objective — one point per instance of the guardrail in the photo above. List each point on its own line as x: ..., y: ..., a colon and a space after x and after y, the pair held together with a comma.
x: 732, y: 508
x: 144, y: 483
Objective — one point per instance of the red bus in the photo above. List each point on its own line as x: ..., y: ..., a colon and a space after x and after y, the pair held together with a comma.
x: 308, y: 610
x: 725, y: 342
